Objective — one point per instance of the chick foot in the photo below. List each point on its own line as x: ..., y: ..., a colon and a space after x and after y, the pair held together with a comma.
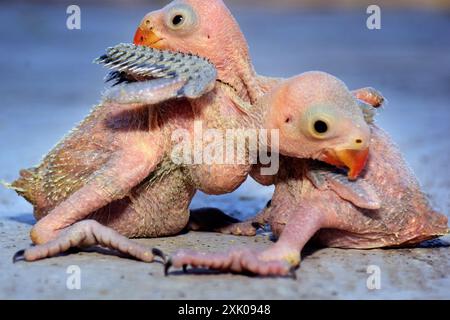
x: 265, y: 263
x: 85, y: 234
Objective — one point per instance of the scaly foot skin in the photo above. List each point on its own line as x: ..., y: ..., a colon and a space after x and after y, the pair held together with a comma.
x: 85, y: 234
x: 281, y: 259
x: 239, y: 260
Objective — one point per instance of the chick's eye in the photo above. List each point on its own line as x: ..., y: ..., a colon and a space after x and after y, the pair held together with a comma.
x: 178, y: 20
x: 180, y: 17
x: 320, y: 127
x: 320, y: 122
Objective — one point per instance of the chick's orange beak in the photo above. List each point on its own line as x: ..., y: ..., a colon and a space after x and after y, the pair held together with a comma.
x: 145, y: 36
x: 354, y: 160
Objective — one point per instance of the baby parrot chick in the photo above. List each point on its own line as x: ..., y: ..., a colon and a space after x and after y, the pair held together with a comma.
x: 95, y: 172
x: 110, y: 179
x: 384, y: 207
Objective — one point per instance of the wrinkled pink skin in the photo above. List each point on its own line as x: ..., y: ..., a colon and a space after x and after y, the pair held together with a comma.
x: 299, y: 212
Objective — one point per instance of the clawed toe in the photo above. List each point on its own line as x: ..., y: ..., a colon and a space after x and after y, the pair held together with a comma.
x: 292, y: 273
x: 167, y: 265
x: 239, y: 261
x: 19, y: 256
x: 158, y: 253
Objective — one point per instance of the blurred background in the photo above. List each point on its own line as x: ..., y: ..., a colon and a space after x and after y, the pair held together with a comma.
x: 49, y: 83
x: 277, y: 3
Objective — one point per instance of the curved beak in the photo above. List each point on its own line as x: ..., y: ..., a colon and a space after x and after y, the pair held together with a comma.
x: 354, y: 160
x: 146, y: 36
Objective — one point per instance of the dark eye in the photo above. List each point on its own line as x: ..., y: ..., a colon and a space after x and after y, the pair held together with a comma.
x: 320, y: 127
x: 177, y: 20
x: 180, y: 17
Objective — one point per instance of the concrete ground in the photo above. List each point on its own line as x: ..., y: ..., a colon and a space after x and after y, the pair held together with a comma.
x: 49, y: 84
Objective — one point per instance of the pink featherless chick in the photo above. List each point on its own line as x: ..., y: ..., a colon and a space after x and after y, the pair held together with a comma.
x: 384, y: 207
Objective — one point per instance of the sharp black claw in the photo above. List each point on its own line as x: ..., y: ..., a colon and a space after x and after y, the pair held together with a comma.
x: 18, y: 256
x: 292, y: 274
x: 185, y: 268
x: 167, y: 266
x: 160, y: 254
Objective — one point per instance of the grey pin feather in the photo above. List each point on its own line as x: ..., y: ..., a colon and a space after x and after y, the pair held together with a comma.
x: 130, y: 63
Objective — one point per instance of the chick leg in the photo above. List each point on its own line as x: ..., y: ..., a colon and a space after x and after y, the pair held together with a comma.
x: 278, y: 260
x: 84, y: 234
x: 61, y: 229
